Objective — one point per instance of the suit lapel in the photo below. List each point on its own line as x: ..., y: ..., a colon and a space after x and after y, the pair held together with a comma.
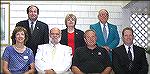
x: 36, y: 29
x: 100, y: 32
x: 124, y: 52
x: 110, y: 32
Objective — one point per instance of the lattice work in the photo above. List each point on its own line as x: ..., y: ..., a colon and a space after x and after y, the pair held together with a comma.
x: 139, y: 24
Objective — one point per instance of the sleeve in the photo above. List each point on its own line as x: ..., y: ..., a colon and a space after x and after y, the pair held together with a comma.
x: 67, y: 59
x: 31, y: 56
x: 46, y: 34
x: 75, y: 60
x: 115, y: 63
x: 40, y: 59
x: 144, y: 62
x: 5, y: 55
x: 116, y: 40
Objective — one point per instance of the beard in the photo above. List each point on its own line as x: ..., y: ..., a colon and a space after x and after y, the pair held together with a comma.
x: 54, y: 41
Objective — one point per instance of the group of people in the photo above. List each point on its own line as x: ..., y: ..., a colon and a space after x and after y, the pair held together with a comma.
x: 35, y: 49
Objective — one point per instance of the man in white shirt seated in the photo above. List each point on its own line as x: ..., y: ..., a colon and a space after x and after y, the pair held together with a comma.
x: 53, y: 58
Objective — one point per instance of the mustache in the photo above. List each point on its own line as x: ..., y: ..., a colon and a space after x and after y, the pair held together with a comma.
x: 54, y: 40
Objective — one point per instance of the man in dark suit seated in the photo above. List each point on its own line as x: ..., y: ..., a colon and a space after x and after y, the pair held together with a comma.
x: 128, y: 58
x: 38, y: 31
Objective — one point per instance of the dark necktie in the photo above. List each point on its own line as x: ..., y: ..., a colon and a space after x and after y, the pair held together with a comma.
x: 31, y: 27
x: 130, y: 58
x: 105, y: 33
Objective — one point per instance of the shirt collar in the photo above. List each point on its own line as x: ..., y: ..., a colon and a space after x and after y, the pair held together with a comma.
x: 31, y: 21
x: 126, y: 47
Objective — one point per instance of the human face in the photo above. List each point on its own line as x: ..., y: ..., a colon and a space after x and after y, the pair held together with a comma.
x: 70, y: 22
x: 90, y: 38
x: 33, y: 14
x: 103, y: 16
x: 128, y: 37
x: 20, y: 37
x: 55, y: 35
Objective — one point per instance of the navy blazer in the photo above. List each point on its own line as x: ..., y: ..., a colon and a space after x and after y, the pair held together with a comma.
x: 121, y: 61
x: 113, y: 36
x: 79, y: 38
x: 39, y: 36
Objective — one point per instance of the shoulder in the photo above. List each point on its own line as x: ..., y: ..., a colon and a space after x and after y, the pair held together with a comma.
x: 118, y: 48
x: 22, y: 22
x: 42, y: 23
x: 64, y: 30
x: 101, y: 49
x: 9, y: 48
x: 64, y: 46
x: 81, y: 49
x: 43, y: 46
x: 96, y: 24
x: 78, y: 31
x: 112, y: 25
x: 138, y: 48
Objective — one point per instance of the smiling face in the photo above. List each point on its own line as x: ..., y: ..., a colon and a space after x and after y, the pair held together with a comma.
x: 103, y: 16
x: 55, y: 35
x: 90, y: 38
x: 32, y: 13
x: 70, y: 22
x: 127, y: 36
x: 20, y: 37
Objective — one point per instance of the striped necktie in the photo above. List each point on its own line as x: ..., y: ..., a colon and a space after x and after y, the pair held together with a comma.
x: 32, y: 27
x: 105, y: 33
x: 130, y: 58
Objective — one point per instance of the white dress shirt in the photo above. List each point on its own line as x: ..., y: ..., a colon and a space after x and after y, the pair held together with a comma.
x: 33, y: 24
x: 61, y: 62
x: 131, y: 49
x: 106, y: 25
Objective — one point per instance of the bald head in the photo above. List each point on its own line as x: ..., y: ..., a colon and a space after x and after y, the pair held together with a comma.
x: 103, y: 16
x: 55, y: 35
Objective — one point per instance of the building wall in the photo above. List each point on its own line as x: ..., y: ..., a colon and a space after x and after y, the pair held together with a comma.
x: 53, y: 13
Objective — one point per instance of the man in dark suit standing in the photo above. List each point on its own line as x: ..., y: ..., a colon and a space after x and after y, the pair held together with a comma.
x: 38, y: 31
x: 128, y: 58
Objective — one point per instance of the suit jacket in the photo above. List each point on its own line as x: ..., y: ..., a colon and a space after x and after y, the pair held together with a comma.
x: 60, y: 62
x: 79, y: 38
x: 113, y: 36
x: 121, y: 61
x: 39, y: 36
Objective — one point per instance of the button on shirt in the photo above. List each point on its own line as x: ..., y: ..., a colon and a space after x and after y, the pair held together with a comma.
x: 131, y: 49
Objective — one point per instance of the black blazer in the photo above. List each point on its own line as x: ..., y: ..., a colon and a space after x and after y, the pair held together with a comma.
x: 79, y: 38
x: 39, y: 36
x: 120, y: 61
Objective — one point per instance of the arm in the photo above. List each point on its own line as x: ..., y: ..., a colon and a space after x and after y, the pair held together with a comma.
x: 32, y: 68
x: 40, y: 59
x: 46, y: 34
x: 144, y: 63
x: 76, y: 70
x: 67, y: 59
x: 116, y: 63
x: 116, y: 40
x: 107, y: 70
x: 5, y: 67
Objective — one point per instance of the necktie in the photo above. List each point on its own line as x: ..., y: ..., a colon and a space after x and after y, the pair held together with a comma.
x: 130, y: 58
x: 53, y: 52
x: 31, y: 27
x: 129, y: 54
x: 105, y: 33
